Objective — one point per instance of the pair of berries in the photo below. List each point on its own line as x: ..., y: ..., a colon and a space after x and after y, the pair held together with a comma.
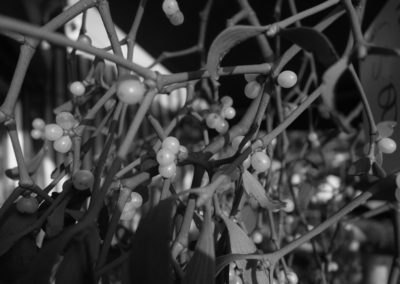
x: 173, y: 13
x: 286, y: 79
x: 218, y: 121
x: 135, y: 202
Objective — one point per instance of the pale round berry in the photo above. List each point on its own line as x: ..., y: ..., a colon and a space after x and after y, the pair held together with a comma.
x: 131, y: 91
x: 63, y: 144
x: 38, y: 123
x: 250, y: 77
x: 167, y: 171
x: 289, y: 205
x: 177, y: 18
x: 222, y: 126
x: 212, y: 120
x: 292, y: 277
x: 312, y: 136
x: 296, y: 179
x: 257, y: 237
x: 109, y: 104
x: 165, y: 157
x: 260, y: 162
x: 387, y: 145
x: 228, y: 112
x: 53, y: 132
x: 170, y: 7
x: 252, y: 89
x: 82, y: 179
x: 287, y: 79
x: 226, y: 101
x: 66, y: 120
x: 333, y: 266
x: 136, y: 200
x: 27, y: 205
x: 171, y: 143
x: 85, y: 39
x: 77, y: 88
x: 236, y: 142
x: 36, y: 134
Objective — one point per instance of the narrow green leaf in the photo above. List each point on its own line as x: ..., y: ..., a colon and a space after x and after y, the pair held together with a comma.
x: 201, y: 267
x: 41, y: 268
x: 14, y: 228
x: 330, y: 79
x: 18, y: 259
x: 239, y: 241
x: 313, y: 41
x: 226, y: 40
x: 55, y: 221
x: 256, y: 190
x: 248, y: 216
x: 74, y: 267
x: 150, y: 259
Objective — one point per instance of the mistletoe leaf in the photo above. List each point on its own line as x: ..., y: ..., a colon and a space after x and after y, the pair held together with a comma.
x: 151, y: 245
x: 256, y: 190
x: 49, y: 255
x: 330, y: 79
x: 313, y: 41
x: 201, y: 268
x: 226, y: 40
x: 14, y: 228
x: 239, y: 240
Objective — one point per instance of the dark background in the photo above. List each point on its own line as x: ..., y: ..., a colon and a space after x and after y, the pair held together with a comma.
x: 156, y: 34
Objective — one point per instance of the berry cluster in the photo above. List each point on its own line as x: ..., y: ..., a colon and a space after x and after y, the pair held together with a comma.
x: 217, y: 120
x: 38, y: 125
x: 173, y: 13
x: 286, y: 79
x: 60, y: 131
x: 166, y: 157
x: 131, y: 206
